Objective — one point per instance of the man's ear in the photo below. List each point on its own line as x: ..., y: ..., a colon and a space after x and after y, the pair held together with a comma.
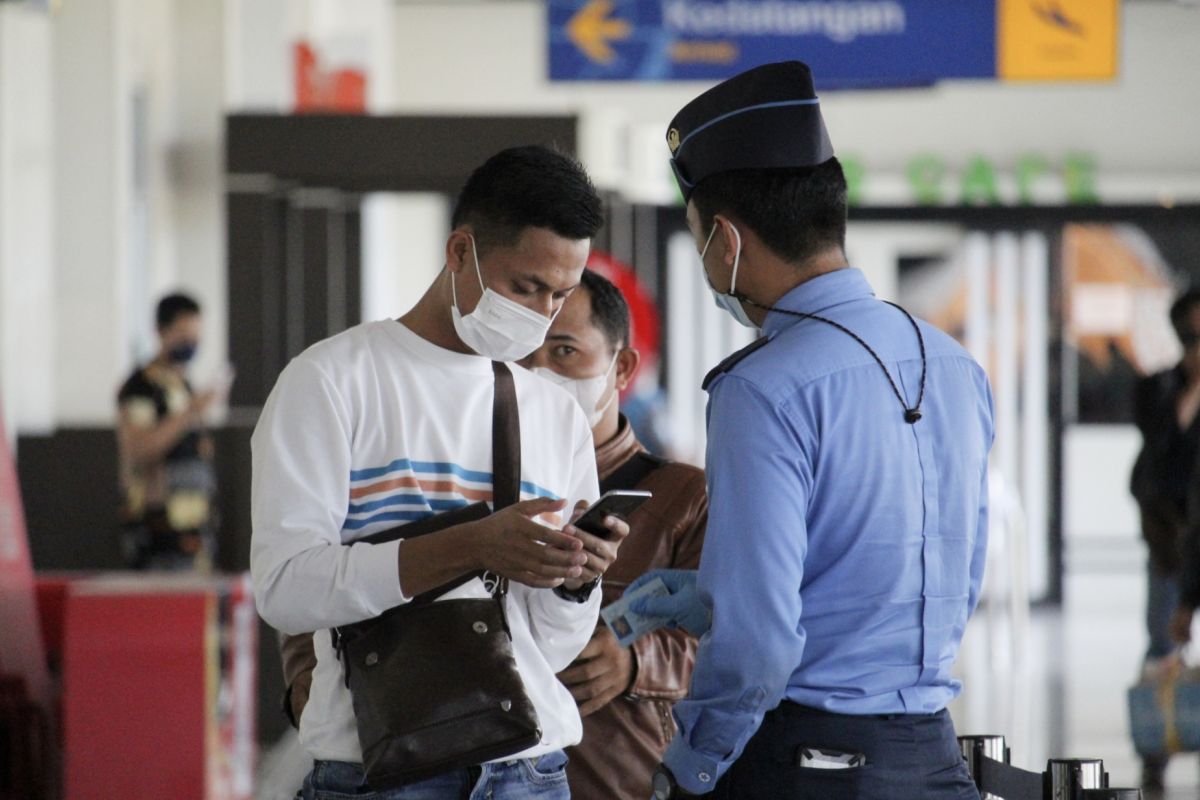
x: 728, y: 238
x: 458, y: 249
x: 627, y: 364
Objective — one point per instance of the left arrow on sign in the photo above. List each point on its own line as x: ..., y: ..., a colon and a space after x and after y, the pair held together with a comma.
x: 592, y: 31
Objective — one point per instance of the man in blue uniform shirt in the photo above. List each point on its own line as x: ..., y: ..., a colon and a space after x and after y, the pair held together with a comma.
x: 847, y: 476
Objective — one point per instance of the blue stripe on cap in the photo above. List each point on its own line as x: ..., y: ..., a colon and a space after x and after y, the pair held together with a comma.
x: 679, y: 177
x: 778, y: 104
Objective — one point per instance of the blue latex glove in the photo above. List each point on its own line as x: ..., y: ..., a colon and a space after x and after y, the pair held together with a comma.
x: 681, y: 608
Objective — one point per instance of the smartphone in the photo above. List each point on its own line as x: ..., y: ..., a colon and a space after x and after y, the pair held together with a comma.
x: 616, y: 503
x: 824, y: 758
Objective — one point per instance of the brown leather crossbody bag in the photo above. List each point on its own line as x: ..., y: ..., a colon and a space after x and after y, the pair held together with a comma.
x: 435, y: 685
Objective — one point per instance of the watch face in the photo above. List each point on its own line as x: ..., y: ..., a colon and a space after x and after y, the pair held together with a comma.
x: 662, y: 786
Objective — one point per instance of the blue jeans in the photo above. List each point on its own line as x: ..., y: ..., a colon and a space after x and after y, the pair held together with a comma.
x: 542, y: 778
x: 1161, y: 599
x: 908, y: 757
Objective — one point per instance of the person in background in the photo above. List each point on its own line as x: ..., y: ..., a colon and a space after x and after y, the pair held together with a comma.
x: 1165, y: 410
x: 847, y: 481
x: 168, y: 518
x: 624, y: 694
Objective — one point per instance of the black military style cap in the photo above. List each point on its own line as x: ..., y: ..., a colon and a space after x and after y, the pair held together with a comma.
x: 764, y: 118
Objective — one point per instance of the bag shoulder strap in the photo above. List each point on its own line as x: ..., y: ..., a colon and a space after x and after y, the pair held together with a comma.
x: 632, y: 472
x: 506, y: 473
x: 506, y: 483
x: 506, y: 440
x: 506, y: 457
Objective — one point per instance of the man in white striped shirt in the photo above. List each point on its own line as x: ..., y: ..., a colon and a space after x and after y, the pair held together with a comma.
x: 390, y: 422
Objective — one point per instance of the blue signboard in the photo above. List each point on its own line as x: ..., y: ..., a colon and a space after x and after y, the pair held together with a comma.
x: 848, y: 43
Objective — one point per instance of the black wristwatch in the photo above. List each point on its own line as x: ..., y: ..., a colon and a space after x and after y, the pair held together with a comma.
x: 664, y: 786
x: 579, y: 595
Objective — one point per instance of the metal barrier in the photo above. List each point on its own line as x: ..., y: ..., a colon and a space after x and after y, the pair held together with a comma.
x: 988, y: 760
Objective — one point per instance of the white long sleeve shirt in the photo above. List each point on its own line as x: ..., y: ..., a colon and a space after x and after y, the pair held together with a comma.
x: 376, y: 427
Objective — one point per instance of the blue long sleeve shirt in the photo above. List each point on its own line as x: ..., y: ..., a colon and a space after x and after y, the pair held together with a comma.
x: 845, y: 547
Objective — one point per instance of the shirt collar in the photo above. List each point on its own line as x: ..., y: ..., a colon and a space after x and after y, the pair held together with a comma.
x: 817, y: 295
x: 617, y: 450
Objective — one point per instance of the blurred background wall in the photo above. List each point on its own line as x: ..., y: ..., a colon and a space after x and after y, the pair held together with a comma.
x: 1045, y: 223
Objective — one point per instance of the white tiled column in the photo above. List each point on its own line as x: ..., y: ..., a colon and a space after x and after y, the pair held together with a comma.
x: 27, y: 309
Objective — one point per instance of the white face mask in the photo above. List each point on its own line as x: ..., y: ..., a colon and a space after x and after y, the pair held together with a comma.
x: 588, y: 392
x: 498, y: 328
x: 728, y: 300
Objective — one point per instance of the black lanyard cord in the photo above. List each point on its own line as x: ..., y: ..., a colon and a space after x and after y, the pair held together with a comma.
x: 911, y: 415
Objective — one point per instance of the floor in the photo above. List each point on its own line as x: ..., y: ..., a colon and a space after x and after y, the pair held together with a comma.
x: 1057, y: 690
x: 1054, y: 685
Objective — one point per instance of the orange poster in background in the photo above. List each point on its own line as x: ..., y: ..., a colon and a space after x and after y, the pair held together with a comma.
x: 322, y: 89
x: 1047, y: 40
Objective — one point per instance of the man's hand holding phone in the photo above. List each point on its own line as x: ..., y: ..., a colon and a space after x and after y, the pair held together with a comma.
x: 513, y: 544
x: 601, y: 528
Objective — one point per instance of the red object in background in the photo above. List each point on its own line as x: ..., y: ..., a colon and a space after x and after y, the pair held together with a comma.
x: 134, y: 695
x: 341, y: 90
x: 642, y: 310
x: 158, y: 687
x: 21, y: 651
x: 52, y: 612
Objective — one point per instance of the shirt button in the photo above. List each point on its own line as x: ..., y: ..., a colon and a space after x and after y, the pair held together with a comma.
x: 704, y: 777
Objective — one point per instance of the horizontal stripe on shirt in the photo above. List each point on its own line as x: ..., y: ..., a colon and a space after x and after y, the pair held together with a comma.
x: 438, y: 469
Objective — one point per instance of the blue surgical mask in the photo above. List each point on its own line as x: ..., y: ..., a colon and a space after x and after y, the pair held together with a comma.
x: 182, y: 353
x: 728, y: 300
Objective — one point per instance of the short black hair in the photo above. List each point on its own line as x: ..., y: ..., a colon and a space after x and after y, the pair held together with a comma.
x: 610, y: 311
x: 1183, y: 306
x: 796, y: 212
x: 174, y: 306
x: 524, y: 187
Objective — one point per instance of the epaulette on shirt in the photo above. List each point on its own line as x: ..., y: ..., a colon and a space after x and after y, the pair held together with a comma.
x: 732, y: 361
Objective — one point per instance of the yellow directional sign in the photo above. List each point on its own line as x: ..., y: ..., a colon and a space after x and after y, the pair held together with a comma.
x: 1057, y: 39
x: 593, y: 31
x: 858, y: 44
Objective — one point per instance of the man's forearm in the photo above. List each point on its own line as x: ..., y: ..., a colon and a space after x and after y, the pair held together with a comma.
x: 430, y: 561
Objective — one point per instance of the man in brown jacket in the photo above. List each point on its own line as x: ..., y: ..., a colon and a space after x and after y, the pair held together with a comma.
x: 624, y: 695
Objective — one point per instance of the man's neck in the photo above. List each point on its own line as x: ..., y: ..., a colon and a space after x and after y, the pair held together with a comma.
x: 821, y: 264
x: 608, y: 426
x: 782, y: 277
x: 430, y: 317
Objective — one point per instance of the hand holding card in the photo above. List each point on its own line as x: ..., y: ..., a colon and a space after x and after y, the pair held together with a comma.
x: 627, y: 625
